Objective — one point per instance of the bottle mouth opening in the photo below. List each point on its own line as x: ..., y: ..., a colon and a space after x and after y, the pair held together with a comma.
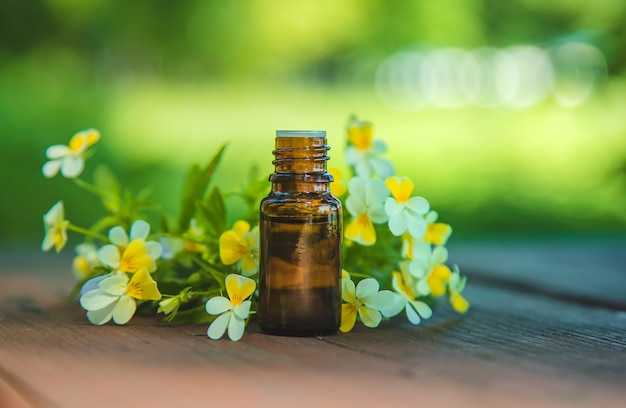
x: 300, y: 133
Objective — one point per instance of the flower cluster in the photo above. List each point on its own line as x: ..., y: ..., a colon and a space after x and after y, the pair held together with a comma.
x: 414, y: 269
x: 206, y: 261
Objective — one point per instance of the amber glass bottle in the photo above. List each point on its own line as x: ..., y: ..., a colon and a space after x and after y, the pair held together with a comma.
x: 300, y: 234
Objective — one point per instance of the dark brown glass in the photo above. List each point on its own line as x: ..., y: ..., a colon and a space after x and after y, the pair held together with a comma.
x: 300, y: 233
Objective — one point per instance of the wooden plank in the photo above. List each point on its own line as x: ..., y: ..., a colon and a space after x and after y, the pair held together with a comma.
x: 513, y: 348
x: 587, y: 270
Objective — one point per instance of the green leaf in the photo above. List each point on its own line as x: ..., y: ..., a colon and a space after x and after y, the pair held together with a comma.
x: 195, y: 187
x: 212, y: 212
x: 105, y: 181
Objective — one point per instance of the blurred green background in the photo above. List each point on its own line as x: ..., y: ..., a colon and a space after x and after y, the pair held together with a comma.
x: 510, y: 117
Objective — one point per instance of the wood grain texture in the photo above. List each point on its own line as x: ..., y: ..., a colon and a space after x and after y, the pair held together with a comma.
x: 513, y: 348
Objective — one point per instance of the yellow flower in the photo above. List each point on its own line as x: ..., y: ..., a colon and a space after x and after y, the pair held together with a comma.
x: 437, y: 233
x: 70, y: 160
x: 55, y: 227
x: 338, y: 186
x: 115, y: 297
x: 234, y: 310
x: 129, y: 254
x: 241, y: 246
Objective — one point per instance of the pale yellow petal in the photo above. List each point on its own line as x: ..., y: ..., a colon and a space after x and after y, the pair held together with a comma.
x: 400, y: 187
x: 137, y: 256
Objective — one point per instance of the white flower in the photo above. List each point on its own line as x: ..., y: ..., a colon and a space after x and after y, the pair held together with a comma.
x: 234, y: 310
x: 129, y: 254
x: 363, y: 152
x: 365, y: 300
x: 405, y: 299
x: 70, y: 160
x: 366, y: 204
x: 55, y: 227
x: 406, y: 213
x: 85, y: 261
x: 115, y: 297
x: 428, y: 267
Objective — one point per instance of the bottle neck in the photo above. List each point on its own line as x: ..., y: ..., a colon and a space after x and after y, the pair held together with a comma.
x: 300, y: 164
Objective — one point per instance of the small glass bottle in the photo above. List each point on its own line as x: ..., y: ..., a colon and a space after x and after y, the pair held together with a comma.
x: 300, y: 241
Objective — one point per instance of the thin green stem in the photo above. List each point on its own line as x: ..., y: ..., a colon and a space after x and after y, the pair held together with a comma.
x: 87, y: 232
x: 360, y: 275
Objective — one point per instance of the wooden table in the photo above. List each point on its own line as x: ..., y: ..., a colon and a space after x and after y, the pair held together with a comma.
x: 547, y: 327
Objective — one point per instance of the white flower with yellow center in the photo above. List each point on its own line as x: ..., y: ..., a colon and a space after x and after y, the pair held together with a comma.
x: 129, y: 254
x: 85, y: 261
x: 55, y: 228
x: 70, y: 159
x: 116, y: 297
x: 428, y: 267
x: 240, y: 246
x: 405, y: 213
x: 366, y: 204
x: 365, y: 300
x: 234, y: 310
x: 363, y: 152
x: 415, y: 310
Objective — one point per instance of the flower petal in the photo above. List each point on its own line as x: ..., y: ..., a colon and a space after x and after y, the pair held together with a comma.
x: 384, y: 168
x: 71, y: 167
x: 230, y: 248
x: 114, y: 285
x: 417, y: 227
x: 236, y: 328
x: 370, y: 317
x: 143, y: 287
x: 109, y: 255
x: 57, y: 151
x: 242, y: 310
x: 136, y: 256
x: 412, y: 314
x: 400, y: 188
x: 155, y: 249
x: 51, y: 168
x: 398, y: 223
x: 348, y: 317
x: 376, y: 192
x: 380, y: 301
x: 418, y: 205
x: 96, y: 299
x: 422, y: 308
x: 366, y: 287
x: 124, y: 310
x: 392, y: 207
x: 439, y: 256
x: 348, y: 291
x: 218, y: 327
x: 139, y: 229
x: 118, y: 236
x: 398, y: 304
x: 241, y: 227
x: 218, y: 305
x: 101, y: 316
